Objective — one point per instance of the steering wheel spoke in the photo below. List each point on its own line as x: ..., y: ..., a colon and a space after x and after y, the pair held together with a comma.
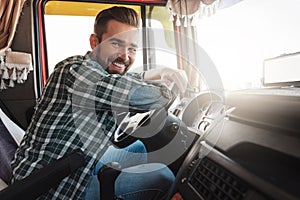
x: 135, y: 126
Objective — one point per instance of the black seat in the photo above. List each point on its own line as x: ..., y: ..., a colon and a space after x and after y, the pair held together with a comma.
x: 40, y: 181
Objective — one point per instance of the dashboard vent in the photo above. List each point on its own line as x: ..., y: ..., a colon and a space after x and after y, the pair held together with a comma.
x: 212, y: 181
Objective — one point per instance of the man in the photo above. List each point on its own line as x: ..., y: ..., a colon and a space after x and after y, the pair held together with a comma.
x: 78, y: 109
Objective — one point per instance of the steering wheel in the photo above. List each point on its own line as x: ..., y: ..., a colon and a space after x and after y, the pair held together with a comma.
x: 140, y: 125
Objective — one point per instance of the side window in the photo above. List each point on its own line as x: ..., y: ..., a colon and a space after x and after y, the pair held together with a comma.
x: 159, y: 52
x: 161, y: 38
x: 68, y: 26
x: 65, y: 39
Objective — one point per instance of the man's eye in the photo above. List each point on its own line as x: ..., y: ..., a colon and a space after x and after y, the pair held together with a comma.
x: 132, y: 50
x: 115, y: 44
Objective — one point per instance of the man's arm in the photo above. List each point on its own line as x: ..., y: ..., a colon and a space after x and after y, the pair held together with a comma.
x: 91, y: 88
x: 169, y: 76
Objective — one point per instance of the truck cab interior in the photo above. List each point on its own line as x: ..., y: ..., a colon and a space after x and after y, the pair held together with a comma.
x: 233, y: 134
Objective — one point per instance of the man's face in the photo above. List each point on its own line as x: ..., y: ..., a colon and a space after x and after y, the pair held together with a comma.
x: 117, y: 50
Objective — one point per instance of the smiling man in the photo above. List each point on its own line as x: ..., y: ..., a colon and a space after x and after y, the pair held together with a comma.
x: 78, y: 109
x: 117, y: 50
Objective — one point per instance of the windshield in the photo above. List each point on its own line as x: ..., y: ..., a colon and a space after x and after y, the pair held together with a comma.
x: 240, y: 38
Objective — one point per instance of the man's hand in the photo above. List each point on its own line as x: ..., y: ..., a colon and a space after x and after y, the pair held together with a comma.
x: 169, y: 76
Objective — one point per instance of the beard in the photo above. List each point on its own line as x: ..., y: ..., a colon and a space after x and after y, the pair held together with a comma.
x: 113, y: 65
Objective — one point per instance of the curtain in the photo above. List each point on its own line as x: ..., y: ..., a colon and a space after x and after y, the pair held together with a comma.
x: 187, y: 12
x: 14, y: 66
x: 10, y: 11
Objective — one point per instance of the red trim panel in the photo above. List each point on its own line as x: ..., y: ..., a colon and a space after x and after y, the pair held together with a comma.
x: 42, y: 45
x: 158, y: 2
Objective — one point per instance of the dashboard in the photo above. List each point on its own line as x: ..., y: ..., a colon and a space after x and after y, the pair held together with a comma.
x: 248, y: 147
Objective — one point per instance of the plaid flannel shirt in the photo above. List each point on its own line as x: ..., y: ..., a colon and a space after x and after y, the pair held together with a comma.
x: 78, y: 110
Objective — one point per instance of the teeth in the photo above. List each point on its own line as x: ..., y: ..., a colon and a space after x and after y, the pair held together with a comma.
x: 118, y: 64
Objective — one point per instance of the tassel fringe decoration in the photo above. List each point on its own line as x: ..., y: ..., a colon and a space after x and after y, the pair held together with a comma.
x: 11, y: 72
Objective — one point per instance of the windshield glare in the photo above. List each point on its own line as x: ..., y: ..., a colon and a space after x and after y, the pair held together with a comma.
x: 239, y: 38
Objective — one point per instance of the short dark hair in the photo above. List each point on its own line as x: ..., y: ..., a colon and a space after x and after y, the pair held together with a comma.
x: 119, y: 13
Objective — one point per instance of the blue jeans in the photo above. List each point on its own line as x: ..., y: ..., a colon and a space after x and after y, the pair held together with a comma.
x: 138, y: 179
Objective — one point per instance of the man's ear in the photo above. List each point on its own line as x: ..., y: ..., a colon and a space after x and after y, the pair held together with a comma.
x: 93, y: 40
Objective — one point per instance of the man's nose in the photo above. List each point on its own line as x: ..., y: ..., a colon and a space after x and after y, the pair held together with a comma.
x: 124, y: 54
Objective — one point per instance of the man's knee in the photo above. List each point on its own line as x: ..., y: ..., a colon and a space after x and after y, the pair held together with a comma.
x: 137, y: 147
